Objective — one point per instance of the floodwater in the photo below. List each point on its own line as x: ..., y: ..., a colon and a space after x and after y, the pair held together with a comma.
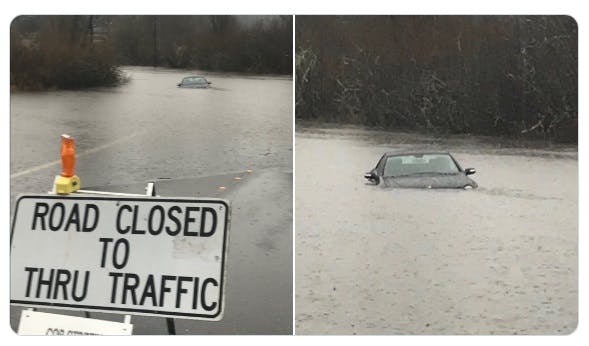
x: 194, y: 141
x: 149, y: 128
x: 500, y: 259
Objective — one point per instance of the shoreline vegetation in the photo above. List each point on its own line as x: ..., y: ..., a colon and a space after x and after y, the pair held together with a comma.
x: 78, y: 52
x: 503, y: 76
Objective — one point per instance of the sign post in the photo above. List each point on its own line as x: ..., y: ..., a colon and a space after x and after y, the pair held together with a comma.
x: 152, y: 256
x: 121, y: 253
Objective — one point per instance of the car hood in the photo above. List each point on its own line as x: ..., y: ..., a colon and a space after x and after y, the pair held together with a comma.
x: 195, y: 86
x: 433, y: 181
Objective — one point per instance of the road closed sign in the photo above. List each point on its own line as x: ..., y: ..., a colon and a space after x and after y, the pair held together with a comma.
x: 145, y: 255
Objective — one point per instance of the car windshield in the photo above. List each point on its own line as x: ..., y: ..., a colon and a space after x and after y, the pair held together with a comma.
x: 419, y: 164
x: 194, y: 80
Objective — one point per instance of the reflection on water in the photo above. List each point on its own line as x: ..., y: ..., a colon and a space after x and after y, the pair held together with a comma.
x: 499, y: 259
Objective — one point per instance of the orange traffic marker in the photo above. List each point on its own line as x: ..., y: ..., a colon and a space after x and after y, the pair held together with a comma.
x: 68, y: 181
x: 68, y: 156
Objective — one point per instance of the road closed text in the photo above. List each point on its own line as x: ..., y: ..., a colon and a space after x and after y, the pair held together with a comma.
x: 189, y: 221
x: 123, y: 254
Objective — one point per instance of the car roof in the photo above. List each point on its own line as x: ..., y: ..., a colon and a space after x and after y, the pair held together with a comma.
x: 408, y: 153
x: 194, y: 77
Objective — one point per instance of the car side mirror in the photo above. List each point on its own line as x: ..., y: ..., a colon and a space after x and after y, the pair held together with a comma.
x: 179, y: 84
x: 469, y: 171
x: 209, y: 82
x: 370, y: 176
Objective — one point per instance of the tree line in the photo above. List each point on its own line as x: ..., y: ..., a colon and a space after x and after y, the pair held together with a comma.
x: 490, y: 75
x: 86, y: 51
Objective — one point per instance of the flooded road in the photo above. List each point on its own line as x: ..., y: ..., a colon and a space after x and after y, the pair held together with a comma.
x: 501, y: 259
x: 197, y: 139
x: 149, y: 128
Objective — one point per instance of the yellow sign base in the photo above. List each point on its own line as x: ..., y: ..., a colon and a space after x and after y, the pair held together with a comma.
x: 65, y: 185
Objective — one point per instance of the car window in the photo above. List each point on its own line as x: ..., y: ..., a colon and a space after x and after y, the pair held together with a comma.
x: 194, y: 80
x: 415, y: 164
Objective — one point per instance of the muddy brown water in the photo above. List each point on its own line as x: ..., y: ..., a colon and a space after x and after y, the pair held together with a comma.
x: 501, y: 259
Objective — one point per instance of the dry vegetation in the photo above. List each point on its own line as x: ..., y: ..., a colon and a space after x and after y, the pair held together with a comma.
x: 57, y: 52
x: 494, y: 75
x: 218, y: 43
x: 72, y: 52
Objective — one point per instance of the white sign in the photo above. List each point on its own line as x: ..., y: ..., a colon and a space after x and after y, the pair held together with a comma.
x: 42, y: 323
x: 146, y: 255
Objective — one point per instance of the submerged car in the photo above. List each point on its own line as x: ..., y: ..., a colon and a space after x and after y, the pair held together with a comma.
x: 197, y: 82
x: 421, y: 170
